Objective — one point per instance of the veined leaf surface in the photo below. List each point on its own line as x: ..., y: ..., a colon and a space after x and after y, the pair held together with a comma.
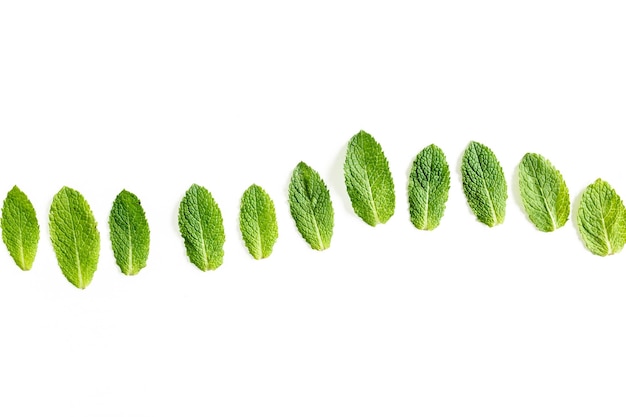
x: 257, y: 222
x: 544, y: 193
x: 130, y: 233
x: 75, y: 236
x: 202, y: 228
x: 368, y: 180
x: 311, y: 207
x: 20, y: 228
x: 601, y: 219
x: 429, y: 183
x: 484, y: 184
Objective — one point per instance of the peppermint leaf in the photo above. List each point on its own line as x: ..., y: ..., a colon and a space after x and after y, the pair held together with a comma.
x: 130, y: 234
x: 75, y: 237
x: 368, y: 180
x: 601, y: 219
x: 429, y: 182
x: 544, y: 193
x: 311, y: 208
x: 20, y: 229
x: 202, y: 228
x: 257, y: 222
x: 484, y: 184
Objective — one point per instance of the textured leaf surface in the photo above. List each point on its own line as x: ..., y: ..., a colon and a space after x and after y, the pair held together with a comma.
x: 20, y: 229
x: 544, y: 193
x: 130, y: 233
x: 601, y: 219
x: 484, y: 184
x: 429, y: 183
x: 311, y: 208
x: 202, y: 228
x: 75, y: 237
x: 257, y: 222
x: 368, y: 180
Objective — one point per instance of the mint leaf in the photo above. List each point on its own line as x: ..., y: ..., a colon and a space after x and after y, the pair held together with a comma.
x: 484, y: 184
x: 601, y: 219
x: 368, y: 180
x: 75, y: 237
x: 20, y: 229
x: 129, y: 232
x: 311, y: 208
x: 544, y: 193
x: 257, y: 222
x: 202, y: 228
x: 429, y: 183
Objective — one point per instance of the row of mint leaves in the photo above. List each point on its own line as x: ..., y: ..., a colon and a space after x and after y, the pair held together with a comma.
x: 601, y: 216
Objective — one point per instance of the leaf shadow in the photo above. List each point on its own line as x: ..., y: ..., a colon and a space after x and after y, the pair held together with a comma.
x: 574, y: 215
x: 517, y: 194
x: 336, y: 179
x: 175, y: 213
x: 459, y: 172
x: 407, y: 176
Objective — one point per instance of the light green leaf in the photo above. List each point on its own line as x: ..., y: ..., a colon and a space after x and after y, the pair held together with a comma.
x: 429, y: 183
x: 601, y: 219
x: 130, y: 233
x: 544, y: 193
x: 368, y: 180
x: 75, y: 237
x: 20, y: 229
x: 202, y: 228
x: 257, y: 222
x: 311, y: 208
x: 484, y: 184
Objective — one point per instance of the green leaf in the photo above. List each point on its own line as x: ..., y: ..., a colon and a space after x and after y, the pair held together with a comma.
x: 75, y: 237
x: 202, y: 228
x: 368, y: 180
x: 20, y: 229
x: 601, y: 219
x: 311, y: 208
x: 130, y: 233
x: 484, y: 184
x: 544, y: 193
x: 257, y: 221
x: 429, y: 183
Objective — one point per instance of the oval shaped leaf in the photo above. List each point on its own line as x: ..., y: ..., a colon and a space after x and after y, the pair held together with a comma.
x: 257, y: 222
x: 368, y: 180
x: 601, y: 219
x: 544, y: 193
x: 311, y: 208
x: 429, y: 183
x: 202, y: 228
x: 75, y: 237
x: 20, y: 228
x: 484, y: 184
x: 129, y: 232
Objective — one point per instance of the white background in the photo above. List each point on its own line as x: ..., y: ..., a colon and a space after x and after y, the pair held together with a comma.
x: 153, y: 96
